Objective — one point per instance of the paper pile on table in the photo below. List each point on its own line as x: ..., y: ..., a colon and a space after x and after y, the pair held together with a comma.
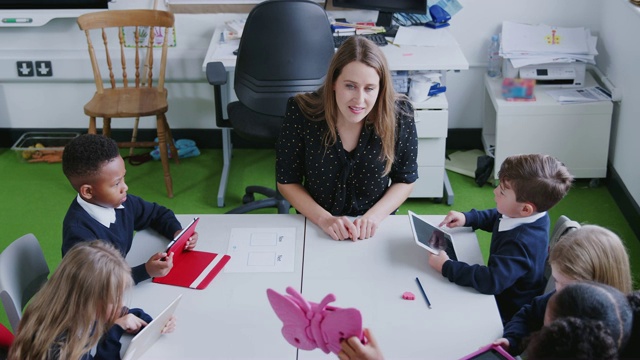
x: 525, y: 44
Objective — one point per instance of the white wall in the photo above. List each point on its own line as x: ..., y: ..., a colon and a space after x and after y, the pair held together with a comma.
x: 620, y: 60
x: 615, y: 22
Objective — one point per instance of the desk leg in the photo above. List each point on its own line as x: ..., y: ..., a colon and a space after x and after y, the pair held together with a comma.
x: 448, y: 190
x: 227, y: 147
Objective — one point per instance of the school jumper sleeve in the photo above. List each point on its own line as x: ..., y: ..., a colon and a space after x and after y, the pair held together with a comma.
x: 528, y: 319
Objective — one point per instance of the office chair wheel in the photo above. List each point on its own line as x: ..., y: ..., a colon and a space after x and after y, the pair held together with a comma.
x: 247, y: 198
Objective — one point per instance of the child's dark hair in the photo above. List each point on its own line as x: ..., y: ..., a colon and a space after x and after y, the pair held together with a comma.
x: 535, y: 178
x: 632, y: 350
x: 85, y: 155
x: 589, y: 321
x: 573, y: 338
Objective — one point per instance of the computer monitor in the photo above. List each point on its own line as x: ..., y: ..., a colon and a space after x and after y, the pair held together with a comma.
x: 385, y: 8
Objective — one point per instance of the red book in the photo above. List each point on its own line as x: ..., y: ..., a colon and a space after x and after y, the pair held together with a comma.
x: 192, y: 269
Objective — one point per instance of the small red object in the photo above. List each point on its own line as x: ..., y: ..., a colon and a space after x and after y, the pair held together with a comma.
x: 408, y: 295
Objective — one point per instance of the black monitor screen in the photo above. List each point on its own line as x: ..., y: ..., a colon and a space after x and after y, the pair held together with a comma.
x: 53, y: 4
x: 386, y: 8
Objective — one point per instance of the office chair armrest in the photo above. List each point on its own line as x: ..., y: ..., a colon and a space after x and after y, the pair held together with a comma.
x: 216, y: 73
x: 217, y: 76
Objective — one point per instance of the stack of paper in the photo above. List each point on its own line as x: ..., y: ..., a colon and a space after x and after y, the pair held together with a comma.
x: 526, y: 44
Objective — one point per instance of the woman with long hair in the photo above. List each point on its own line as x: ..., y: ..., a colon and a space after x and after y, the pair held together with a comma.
x: 350, y: 148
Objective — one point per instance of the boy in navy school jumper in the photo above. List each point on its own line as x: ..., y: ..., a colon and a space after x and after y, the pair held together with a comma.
x: 529, y: 186
x: 103, y: 210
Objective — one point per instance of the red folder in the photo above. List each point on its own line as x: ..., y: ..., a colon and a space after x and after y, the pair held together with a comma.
x: 192, y: 269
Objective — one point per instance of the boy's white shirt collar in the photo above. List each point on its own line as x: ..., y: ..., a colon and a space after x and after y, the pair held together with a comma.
x: 103, y: 215
x: 508, y: 223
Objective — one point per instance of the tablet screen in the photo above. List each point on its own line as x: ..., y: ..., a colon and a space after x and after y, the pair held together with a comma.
x: 431, y: 237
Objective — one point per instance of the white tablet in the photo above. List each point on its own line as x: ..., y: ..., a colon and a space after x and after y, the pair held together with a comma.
x: 431, y: 237
x: 150, y: 333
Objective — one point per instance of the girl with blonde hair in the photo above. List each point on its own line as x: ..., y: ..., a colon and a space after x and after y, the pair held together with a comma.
x: 590, y: 253
x: 82, y: 301
x: 350, y: 148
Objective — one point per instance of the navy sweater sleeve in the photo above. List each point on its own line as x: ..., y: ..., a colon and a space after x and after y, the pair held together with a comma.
x: 504, y: 268
x: 136, y: 214
x: 109, y: 346
x: 529, y: 319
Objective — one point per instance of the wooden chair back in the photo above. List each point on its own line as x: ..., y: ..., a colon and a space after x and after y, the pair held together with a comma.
x: 153, y: 23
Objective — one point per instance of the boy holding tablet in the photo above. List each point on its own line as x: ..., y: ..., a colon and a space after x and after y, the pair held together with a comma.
x: 529, y: 186
x: 103, y: 210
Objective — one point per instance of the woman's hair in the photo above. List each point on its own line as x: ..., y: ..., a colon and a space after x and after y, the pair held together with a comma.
x: 323, y: 105
x: 599, y: 314
x: 76, y: 306
x: 593, y: 253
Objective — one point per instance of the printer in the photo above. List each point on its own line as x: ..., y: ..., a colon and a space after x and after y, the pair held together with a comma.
x: 550, y: 74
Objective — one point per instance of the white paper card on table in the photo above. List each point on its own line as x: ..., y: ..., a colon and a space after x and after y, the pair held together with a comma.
x: 261, y: 250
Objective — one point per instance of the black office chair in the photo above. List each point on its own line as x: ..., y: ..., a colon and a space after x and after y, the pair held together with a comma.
x: 285, y: 49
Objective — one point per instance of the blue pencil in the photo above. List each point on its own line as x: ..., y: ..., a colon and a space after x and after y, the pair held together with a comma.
x: 423, y: 293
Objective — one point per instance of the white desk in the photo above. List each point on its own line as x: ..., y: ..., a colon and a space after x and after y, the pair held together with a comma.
x: 372, y: 275
x: 576, y: 134
x: 232, y: 318
x: 434, y: 111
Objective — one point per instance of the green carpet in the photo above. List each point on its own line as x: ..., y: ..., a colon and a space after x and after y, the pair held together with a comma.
x: 35, y: 197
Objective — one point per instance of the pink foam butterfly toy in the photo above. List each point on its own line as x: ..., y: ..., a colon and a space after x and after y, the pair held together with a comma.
x: 307, y: 325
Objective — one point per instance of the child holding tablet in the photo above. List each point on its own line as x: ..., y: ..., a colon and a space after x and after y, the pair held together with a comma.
x: 79, y: 307
x: 104, y: 210
x: 590, y: 253
x: 529, y: 186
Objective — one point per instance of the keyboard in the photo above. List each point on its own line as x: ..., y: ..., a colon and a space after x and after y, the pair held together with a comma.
x: 378, y: 39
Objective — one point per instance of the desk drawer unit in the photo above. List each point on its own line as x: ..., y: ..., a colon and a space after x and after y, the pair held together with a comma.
x: 431, y: 119
x: 577, y: 134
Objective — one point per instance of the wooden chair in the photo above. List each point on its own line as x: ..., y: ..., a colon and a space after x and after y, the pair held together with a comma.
x: 130, y: 96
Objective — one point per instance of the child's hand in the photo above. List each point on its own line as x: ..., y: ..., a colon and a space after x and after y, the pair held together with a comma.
x: 353, y: 349
x: 131, y: 323
x: 453, y: 219
x: 159, y: 264
x: 191, y: 244
x: 436, y: 261
x: 170, y: 325
x: 503, y: 343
